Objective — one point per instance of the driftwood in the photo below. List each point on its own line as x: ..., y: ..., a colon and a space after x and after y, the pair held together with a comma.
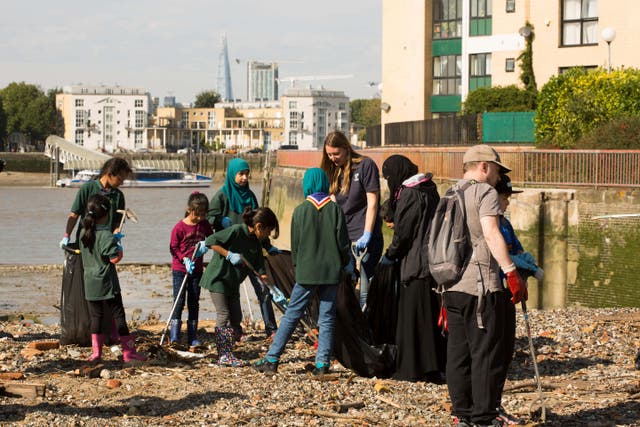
x: 335, y: 415
x: 344, y: 407
x: 22, y: 389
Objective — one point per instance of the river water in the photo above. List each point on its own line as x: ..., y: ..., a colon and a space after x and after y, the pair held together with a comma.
x: 32, y: 222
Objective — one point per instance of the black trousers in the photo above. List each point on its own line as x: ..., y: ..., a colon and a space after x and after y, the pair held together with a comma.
x: 476, y: 357
x: 114, y: 306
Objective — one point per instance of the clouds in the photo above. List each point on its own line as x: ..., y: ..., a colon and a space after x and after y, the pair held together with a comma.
x: 167, y: 46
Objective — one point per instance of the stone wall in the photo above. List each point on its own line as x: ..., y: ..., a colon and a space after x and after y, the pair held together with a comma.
x: 587, y: 262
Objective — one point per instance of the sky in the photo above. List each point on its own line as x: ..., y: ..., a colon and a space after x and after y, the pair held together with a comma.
x: 171, y: 48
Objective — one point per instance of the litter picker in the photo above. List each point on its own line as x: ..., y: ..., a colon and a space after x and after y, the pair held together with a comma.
x: 361, y: 256
x: 126, y: 214
x: 175, y: 303
x: 540, y: 399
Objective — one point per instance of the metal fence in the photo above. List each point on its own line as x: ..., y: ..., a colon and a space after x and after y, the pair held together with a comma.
x: 530, y: 167
x: 445, y: 131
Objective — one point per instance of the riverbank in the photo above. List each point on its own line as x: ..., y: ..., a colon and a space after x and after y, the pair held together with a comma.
x: 24, y: 179
x: 585, y: 358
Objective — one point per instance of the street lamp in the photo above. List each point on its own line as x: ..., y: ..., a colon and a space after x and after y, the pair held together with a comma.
x: 609, y: 35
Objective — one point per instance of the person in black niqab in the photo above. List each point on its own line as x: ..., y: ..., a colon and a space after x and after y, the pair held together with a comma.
x: 413, y: 199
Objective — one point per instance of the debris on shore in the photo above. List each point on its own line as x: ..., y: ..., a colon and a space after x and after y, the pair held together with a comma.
x: 585, y: 356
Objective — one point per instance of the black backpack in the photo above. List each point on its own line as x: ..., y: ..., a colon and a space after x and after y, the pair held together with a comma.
x: 449, y: 240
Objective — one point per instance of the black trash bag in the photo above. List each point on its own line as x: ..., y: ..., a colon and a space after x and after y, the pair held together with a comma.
x: 74, y: 309
x: 353, y: 339
x: 381, y: 313
x: 75, y: 321
x: 281, y: 273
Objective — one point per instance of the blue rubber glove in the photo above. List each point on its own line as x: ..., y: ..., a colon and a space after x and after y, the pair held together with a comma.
x: 64, y: 242
x: 226, y: 222
x: 363, y: 241
x: 528, y: 258
x: 234, y: 258
x: 273, y: 251
x: 202, y: 249
x: 118, y: 236
x: 386, y: 261
x: 188, y: 264
x: 522, y: 262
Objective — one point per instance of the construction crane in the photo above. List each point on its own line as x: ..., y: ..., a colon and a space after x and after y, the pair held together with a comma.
x: 293, y: 80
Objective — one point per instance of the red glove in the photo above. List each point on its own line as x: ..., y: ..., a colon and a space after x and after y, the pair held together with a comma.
x: 517, y: 286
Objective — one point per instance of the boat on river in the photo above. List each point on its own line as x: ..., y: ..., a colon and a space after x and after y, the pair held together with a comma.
x: 144, y: 177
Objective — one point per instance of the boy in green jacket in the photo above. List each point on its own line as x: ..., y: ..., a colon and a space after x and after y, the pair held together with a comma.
x: 320, y: 253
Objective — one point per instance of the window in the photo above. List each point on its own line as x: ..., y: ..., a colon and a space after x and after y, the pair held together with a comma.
x: 509, y: 65
x: 447, y: 19
x: 79, y: 102
x: 293, y: 119
x: 447, y: 75
x: 563, y: 70
x: 342, y: 106
x: 138, y: 138
x: 579, y: 22
x: 510, y: 6
x: 479, y: 70
x: 79, y: 137
x: 138, y: 103
x: 293, y: 138
x: 211, y: 120
x: 185, y: 119
x: 80, y: 118
x: 480, y: 8
x: 293, y: 105
x: 139, y: 119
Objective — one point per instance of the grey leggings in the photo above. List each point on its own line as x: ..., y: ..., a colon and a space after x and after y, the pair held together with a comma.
x: 228, y: 311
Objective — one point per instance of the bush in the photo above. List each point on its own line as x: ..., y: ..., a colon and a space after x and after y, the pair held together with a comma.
x: 617, y: 134
x: 499, y: 99
x: 575, y: 103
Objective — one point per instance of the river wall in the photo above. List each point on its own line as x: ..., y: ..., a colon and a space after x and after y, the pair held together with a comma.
x: 587, y: 262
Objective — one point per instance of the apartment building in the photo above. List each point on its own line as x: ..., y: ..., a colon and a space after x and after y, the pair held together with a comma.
x: 311, y: 114
x: 105, y: 118
x: 241, y: 125
x: 262, y: 81
x: 435, y: 52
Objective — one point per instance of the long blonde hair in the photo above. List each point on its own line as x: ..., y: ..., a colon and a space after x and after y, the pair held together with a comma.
x: 337, y: 139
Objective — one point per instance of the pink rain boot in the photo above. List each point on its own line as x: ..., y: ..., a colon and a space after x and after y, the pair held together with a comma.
x: 96, y: 344
x: 129, y: 353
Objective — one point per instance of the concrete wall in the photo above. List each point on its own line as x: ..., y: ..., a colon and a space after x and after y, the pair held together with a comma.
x: 587, y: 262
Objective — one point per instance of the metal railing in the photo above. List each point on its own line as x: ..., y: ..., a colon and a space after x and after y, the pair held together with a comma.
x: 530, y: 167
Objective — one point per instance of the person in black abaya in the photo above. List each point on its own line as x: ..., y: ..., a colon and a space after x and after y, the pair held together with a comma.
x: 413, y: 199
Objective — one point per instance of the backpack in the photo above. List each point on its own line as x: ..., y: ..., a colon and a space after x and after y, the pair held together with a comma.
x: 449, y: 247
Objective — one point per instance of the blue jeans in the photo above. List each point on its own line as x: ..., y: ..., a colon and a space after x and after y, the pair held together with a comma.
x: 191, y: 289
x: 300, y: 297
x: 266, y: 309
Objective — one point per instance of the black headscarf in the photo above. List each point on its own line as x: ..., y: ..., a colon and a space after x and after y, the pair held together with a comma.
x: 395, y: 170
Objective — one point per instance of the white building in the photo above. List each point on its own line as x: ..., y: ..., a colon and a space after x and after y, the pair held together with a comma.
x: 310, y: 114
x: 105, y: 118
x: 262, y: 81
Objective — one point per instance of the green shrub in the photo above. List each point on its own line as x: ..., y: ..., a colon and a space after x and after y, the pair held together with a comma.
x: 498, y: 99
x: 620, y: 134
x: 577, y: 102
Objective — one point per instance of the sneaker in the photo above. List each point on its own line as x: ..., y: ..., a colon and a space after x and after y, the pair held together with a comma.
x: 226, y: 360
x: 264, y: 365
x: 462, y: 422
x: 321, y: 370
x: 508, y: 419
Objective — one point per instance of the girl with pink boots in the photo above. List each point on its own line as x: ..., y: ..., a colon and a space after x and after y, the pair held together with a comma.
x: 101, y: 251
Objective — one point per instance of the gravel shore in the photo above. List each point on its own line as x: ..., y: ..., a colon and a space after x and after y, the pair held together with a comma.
x: 585, y: 358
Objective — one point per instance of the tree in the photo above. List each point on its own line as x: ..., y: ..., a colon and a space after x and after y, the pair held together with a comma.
x: 365, y: 112
x: 207, y: 99
x: 3, y: 126
x: 574, y: 104
x: 28, y: 110
x: 499, y: 98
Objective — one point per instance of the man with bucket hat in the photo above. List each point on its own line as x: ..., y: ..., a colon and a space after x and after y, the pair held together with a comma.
x: 477, y: 305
